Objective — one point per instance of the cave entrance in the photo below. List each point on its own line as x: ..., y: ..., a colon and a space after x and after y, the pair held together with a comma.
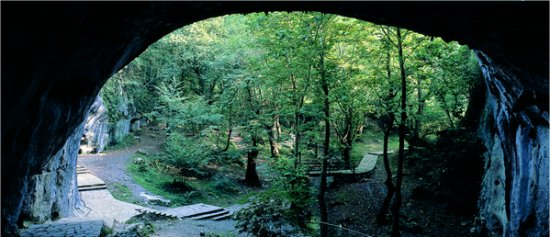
x: 207, y: 94
x: 91, y: 41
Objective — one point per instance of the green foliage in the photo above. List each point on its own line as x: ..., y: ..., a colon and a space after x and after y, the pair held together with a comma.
x: 190, y: 156
x: 155, y: 178
x: 224, y: 184
x: 122, y: 192
x: 105, y: 231
x: 282, y: 210
x: 128, y: 141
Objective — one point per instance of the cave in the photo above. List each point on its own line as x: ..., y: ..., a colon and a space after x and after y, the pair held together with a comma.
x: 58, y: 55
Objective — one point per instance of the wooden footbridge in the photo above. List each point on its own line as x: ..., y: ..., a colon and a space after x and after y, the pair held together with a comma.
x: 366, y: 165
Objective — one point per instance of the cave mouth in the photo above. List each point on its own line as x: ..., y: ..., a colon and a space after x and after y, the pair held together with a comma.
x: 86, y: 46
x: 182, y: 84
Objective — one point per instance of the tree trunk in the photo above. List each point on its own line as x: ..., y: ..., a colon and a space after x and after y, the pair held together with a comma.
x: 230, y: 124
x: 398, y: 198
x: 419, y: 112
x: 277, y: 127
x: 251, y: 178
x: 296, y: 138
x: 323, y: 186
x: 273, y: 145
x: 347, y: 153
x: 381, y: 218
x: 228, y: 141
x: 447, y: 112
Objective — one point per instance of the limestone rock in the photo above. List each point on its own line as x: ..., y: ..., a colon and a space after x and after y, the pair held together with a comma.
x: 124, y: 113
x: 514, y: 194
x: 96, y: 129
x: 53, y: 193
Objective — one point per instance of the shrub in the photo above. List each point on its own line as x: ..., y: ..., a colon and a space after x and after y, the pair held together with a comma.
x: 283, y: 210
x: 225, y: 185
x: 190, y: 156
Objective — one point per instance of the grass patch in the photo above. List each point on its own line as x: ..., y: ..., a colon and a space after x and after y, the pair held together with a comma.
x: 122, y: 192
x: 223, y: 189
x: 372, y: 141
x: 156, y: 182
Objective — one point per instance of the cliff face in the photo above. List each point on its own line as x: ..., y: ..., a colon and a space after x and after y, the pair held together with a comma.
x: 514, y: 196
x: 96, y: 128
x: 53, y: 193
x: 86, y: 42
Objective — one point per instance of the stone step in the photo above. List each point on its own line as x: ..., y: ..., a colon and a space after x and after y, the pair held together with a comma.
x: 223, y: 217
x: 65, y: 227
x: 156, y: 212
x: 91, y: 187
x: 211, y: 215
x: 193, y: 210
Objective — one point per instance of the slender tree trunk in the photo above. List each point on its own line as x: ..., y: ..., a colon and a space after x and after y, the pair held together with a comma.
x: 323, y: 187
x: 273, y: 145
x: 230, y: 124
x: 296, y: 138
x: 251, y: 178
x: 419, y: 112
x: 398, y: 198
x: 277, y: 127
x: 387, y: 127
x: 447, y: 112
x: 381, y: 218
x: 228, y: 141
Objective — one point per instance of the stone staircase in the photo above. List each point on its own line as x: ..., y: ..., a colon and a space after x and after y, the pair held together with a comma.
x: 87, y: 181
x: 194, y: 212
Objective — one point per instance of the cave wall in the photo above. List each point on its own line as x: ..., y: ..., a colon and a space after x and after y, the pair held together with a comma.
x: 53, y: 193
x: 54, y: 68
x: 514, y: 196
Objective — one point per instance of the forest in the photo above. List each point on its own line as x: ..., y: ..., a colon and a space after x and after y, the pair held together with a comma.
x: 248, y: 107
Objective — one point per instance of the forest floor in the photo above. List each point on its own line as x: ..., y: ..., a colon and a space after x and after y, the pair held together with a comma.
x: 112, y: 167
x: 424, y: 216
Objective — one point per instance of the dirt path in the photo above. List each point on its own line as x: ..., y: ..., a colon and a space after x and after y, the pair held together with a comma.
x: 110, y: 166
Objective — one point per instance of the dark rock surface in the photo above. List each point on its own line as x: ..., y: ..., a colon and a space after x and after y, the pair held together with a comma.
x: 59, y: 54
x: 514, y: 196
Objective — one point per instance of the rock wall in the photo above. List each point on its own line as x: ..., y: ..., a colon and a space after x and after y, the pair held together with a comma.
x: 53, y: 193
x: 124, y: 113
x: 514, y: 196
x: 96, y: 129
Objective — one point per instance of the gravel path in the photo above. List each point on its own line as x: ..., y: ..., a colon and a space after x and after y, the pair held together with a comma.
x: 110, y: 166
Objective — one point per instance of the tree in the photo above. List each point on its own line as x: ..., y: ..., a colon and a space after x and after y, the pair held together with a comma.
x: 387, y: 122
